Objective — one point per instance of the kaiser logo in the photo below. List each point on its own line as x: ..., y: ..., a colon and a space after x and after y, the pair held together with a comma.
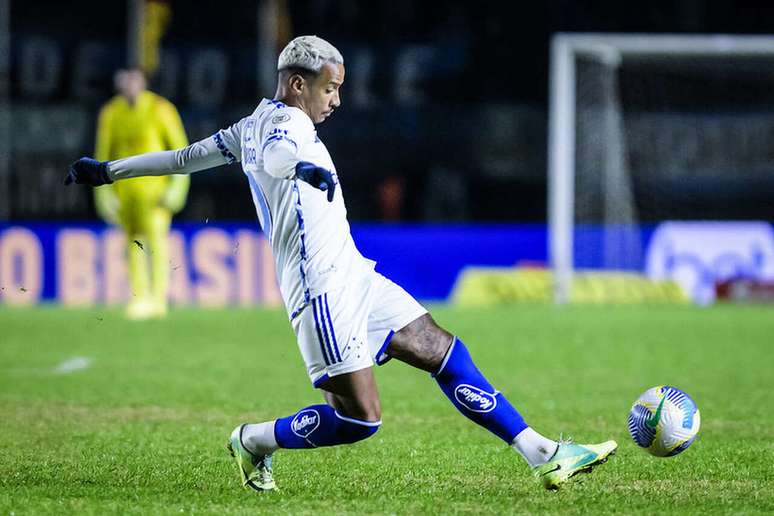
x: 474, y: 399
x: 305, y: 423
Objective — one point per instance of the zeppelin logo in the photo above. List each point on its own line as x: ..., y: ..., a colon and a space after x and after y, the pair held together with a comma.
x: 305, y: 423
x: 474, y: 399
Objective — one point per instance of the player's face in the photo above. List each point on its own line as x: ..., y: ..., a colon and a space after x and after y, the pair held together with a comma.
x: 130, y: 83
x: 321, y: 96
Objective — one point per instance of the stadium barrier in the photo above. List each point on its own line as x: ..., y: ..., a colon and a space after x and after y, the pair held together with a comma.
x: 86, y: 265
x: 699, y: 255
x: 231, y: 264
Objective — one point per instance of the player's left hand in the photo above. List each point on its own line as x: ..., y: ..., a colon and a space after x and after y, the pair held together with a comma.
x: 88, y: 171
x: 320, y: 178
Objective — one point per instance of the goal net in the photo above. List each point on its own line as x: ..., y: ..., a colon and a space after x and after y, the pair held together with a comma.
x: 648, y: 128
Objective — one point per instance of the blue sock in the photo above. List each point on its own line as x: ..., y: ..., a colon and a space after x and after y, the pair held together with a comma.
x: 474, y: 396
x: 320, y: 425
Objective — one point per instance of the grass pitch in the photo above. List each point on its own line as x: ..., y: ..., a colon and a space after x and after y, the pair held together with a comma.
x: 142, y: 428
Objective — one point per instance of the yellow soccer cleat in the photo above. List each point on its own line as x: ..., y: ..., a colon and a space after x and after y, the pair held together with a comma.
x: 570, y: 459
x: 141, y: 309
x: 255, y: 470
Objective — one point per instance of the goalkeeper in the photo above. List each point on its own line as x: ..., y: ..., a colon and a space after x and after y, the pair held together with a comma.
x: 133, y: 122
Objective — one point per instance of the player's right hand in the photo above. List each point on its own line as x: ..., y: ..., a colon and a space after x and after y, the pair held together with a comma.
x: 320, y: 178
x: 88, y: 171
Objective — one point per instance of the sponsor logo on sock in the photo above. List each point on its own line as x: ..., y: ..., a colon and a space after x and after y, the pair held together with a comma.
x: 475, y: 399
x: 305, y: 423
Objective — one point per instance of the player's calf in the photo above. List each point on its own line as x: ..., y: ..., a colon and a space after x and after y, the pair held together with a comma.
x: 475, y: 397
x: 311, y: 427
x: 321, y: 425
x: 253, y: 445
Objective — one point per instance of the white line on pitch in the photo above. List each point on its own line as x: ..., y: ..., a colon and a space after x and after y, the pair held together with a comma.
x: 72, y: 365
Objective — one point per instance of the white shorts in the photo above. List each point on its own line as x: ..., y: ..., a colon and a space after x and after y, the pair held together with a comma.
x: 349, y: 328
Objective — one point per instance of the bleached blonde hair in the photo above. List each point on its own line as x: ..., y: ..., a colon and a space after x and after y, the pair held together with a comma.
x: 309, y: 53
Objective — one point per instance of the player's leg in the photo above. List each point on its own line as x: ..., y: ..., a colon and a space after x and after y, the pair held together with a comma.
x: 159, y: 220
x: 400, y: 328
x: 139, y: 306
x: 331, y: 334
x: 352, y: 413
x: 427, y: 346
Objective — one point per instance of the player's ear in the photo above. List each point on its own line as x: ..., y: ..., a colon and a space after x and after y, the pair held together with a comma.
x: 297, y: 83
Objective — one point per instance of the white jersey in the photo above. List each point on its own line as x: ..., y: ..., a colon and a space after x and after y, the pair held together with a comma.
x: 310, y: 237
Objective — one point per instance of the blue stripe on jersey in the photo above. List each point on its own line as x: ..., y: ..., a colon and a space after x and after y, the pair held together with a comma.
x: 263, y: 204
x: 319, y: 333
x: 230, y: 158
x: 301, y: 243
x: 319, y: 303
x: 330, y: 325
x: 276, y: 138
x: 277, y: 104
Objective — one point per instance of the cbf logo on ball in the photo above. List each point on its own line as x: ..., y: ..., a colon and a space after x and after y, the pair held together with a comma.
x: 305, y: 423
x: 474, y: 399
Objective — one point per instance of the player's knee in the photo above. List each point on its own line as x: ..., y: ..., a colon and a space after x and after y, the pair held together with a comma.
x: 422, y: 344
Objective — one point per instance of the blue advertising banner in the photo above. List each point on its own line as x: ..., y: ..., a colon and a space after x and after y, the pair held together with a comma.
x: 86, y: 264
x: 231, y: 264
x: 220, y: 264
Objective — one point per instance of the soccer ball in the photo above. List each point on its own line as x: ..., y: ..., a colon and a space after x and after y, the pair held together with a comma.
x: 664, y: 421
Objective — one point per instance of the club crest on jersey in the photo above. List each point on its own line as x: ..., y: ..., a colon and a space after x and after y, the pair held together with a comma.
x: 280, y: 119
x: 305, y: 423
x: 475, y: 399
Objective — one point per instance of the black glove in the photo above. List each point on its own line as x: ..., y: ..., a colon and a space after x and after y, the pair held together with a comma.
x: 319, y: 177
x: 87, y: 171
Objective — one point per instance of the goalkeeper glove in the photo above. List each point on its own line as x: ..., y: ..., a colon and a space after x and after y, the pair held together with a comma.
x: 87, y: 171
x: 106, y: 204
x: 318, y: 177
x: 176, y: 192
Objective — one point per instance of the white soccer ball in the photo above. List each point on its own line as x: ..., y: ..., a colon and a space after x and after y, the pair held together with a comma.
x: 664, y: 421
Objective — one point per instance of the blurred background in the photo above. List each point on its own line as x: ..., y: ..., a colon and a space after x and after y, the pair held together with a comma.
x: 442, y: 145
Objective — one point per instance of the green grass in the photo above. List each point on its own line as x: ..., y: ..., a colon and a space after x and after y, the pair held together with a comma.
x: 142, y: 430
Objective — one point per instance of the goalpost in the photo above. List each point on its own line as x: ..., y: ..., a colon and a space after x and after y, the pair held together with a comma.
x: 5, y: 110
x: 604, y: 124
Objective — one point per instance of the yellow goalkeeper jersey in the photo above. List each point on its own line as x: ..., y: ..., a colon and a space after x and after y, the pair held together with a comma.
x: 151, y: 124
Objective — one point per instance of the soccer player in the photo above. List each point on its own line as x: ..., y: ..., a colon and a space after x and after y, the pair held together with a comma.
x: 346, y: 316
x: 136, y: 121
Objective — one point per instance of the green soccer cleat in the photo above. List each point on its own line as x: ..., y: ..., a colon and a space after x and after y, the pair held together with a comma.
x: 570, y: 459
x: 256, y: 471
